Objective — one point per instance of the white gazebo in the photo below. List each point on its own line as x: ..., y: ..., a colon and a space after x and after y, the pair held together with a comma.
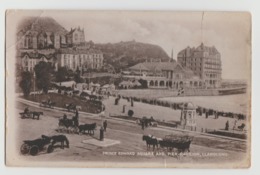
x: 188, y: 115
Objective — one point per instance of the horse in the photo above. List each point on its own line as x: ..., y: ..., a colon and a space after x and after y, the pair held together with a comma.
x: 37, y: 114
x: 60, y: 138
x: 88, y: 127
x: 241, y: 127
x: 150, y: 140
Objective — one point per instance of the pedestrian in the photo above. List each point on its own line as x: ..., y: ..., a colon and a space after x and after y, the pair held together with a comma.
x: 216, y: 114
x: 123, y: 109
x: 26, y: 110
x: 235, y: 124
x: 142, y: 123
x: 132, y: 102
x: 227, y: 126
x: 105, y: 125
x: 76, y: 113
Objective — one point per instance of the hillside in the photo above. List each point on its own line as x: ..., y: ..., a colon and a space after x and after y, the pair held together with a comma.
x: 129, y: 53
x: 38, y: 24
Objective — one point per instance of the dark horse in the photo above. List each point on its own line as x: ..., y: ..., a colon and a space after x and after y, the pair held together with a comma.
x: 37, y: 114
x: 66, y: 123
x: 60, y: 138
x: 87, y: 127
x: 150, y: 140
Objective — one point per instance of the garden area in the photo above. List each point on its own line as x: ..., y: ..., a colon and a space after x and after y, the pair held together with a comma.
x: 60, y: 101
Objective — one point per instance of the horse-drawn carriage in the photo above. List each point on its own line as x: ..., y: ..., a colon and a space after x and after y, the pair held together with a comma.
x: 67, y: 125
x: 47, y: 104
x: 45, y: 143
x: 147, y: 122
x: 31, y: 114
x: 33, y: 147
x: 170, y: 142
x: 72, y: 107
x: 72, y: 126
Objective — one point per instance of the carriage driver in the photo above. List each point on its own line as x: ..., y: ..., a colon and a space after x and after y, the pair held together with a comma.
x: 26, y: 110
x: 64, y: 117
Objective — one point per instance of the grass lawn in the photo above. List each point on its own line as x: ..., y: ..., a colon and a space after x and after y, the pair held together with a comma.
x: 61, y: 100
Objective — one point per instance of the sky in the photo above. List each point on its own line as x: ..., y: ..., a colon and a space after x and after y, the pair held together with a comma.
x: 228, y: 32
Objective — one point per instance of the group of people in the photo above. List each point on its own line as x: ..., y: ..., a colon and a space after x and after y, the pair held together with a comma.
x: 241, y: 127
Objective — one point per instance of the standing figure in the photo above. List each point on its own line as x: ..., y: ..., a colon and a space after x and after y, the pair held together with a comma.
x: 227, y: 126
x: 26, y: 110
x: 207, y: 114
x: 132, y: 102
x: 76, y: 113
x: 105, y: 125
x: 142, y: 123
x: 235, y: 124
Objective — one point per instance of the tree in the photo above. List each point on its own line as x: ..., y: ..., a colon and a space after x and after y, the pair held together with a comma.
x: 77, y: 77
x: 143, y: 83
x: 26, y: 83
x: 130, y: 113
x: 61, y: 74
x: 43, y: 77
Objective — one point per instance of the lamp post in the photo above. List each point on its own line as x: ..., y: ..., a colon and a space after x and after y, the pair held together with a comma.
x: 34, y: 79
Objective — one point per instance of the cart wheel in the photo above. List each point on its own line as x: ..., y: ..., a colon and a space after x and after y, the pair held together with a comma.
x: 50, y: 149
x: 34, y: 150
x: 25, y: 148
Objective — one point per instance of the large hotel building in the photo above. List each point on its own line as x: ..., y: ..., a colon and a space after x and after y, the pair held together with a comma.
x: 45, y: 40
x: 204, y: 61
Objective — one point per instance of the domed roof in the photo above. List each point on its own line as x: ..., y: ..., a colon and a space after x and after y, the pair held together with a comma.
x: 189, y: 105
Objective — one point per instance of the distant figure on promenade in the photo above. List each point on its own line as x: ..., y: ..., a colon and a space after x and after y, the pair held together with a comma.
x: 227, y: 126
x: 76, y: 118
x: 76, y: 113
x: 235, y: 125
x: 105, y: 125
x: 142, y: 123
x: 132, y: 102
x: 207, y: 114
x: 116, y: 101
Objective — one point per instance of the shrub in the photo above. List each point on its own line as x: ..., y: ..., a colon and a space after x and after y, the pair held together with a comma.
x: 130, y: 113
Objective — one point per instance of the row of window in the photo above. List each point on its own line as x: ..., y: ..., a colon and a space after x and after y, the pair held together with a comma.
x: 82, y: 56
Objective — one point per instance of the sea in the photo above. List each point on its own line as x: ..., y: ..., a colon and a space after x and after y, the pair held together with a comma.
x: 236, y: 103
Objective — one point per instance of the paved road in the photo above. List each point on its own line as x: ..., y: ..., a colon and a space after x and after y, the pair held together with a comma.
x: 130, y: 136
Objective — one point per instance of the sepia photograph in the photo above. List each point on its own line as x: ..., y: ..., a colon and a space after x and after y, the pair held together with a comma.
x: 146, y: 89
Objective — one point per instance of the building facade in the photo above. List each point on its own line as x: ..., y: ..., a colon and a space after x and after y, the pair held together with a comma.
x: 205, y: 62
x: 29, y: 60
x: 40, y: 40
x: 80, y: 59
x: 165, y: 75
x: 76, y: 36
